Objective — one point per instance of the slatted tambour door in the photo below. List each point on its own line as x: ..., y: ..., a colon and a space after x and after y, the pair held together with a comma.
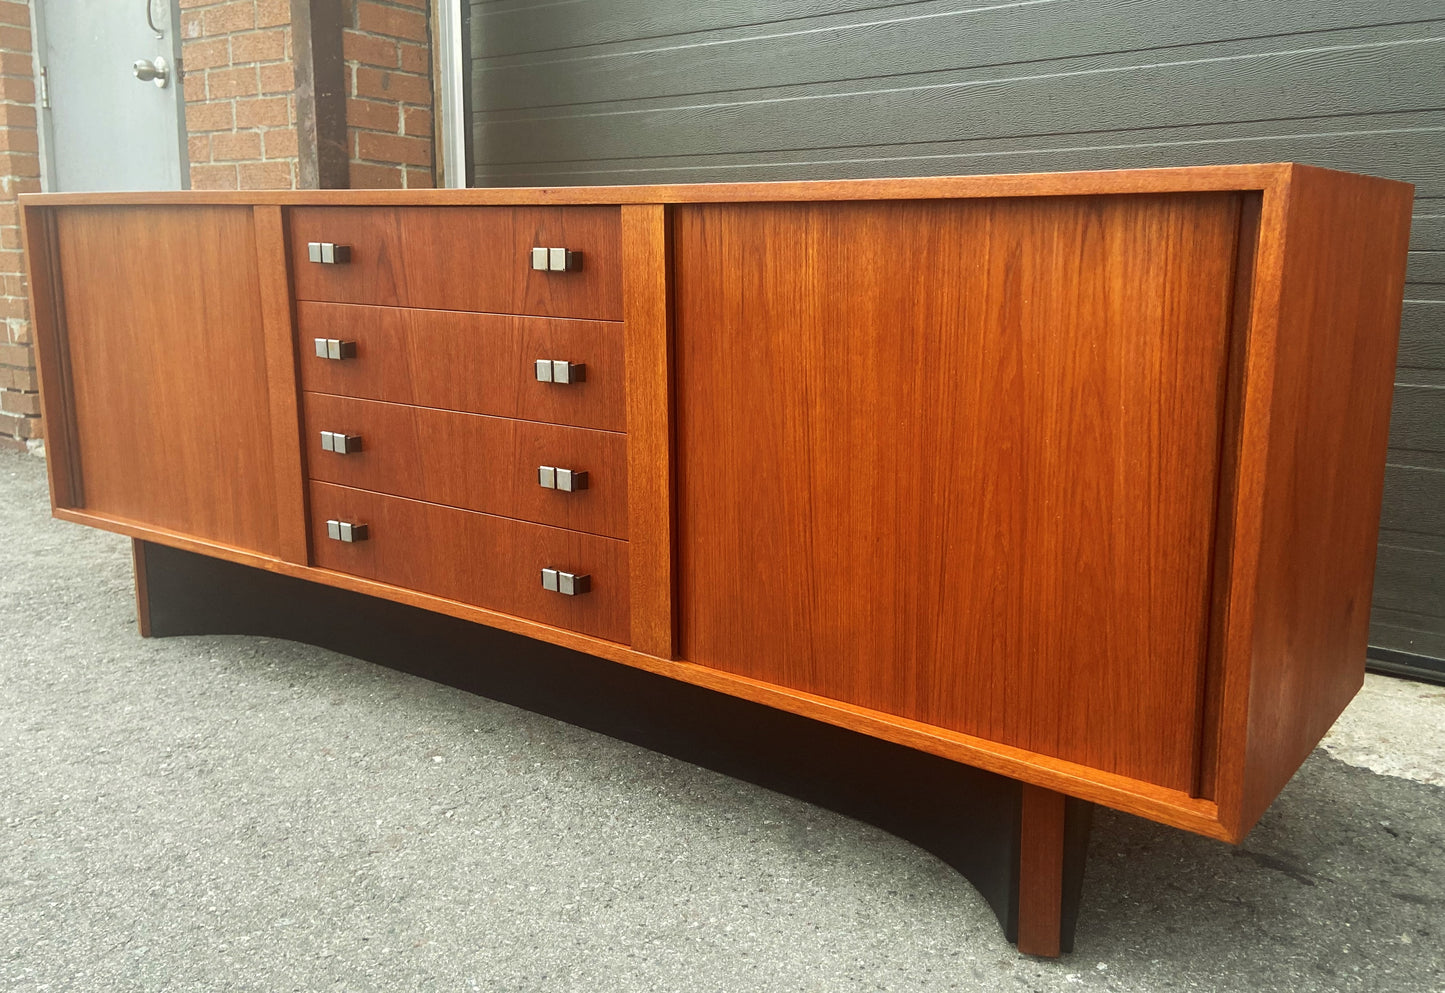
x: 957, y: 461
x: 645, y: 91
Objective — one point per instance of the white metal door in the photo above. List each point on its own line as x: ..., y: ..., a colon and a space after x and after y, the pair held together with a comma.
x: 104, y: 128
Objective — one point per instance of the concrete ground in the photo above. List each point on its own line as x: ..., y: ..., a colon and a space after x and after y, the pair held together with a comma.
x: 229, y: 813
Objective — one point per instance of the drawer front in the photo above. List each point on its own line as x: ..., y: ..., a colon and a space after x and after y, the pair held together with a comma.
x: 462, y: 258
x: 474, y: 558
x: 482, y: 363
x: 470, y: 461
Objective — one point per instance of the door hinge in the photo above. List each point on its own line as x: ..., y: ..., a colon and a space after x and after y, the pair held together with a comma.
x: 44, y: 88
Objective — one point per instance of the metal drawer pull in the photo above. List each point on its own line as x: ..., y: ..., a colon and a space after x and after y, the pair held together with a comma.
x: 565, y: 583
x: 327, y: 253
x: 341, y: 444
x: 335, y: 348
x: 556, y: 260
x: 553, y: 371
x: 347, y: 531
x: 550, y: 477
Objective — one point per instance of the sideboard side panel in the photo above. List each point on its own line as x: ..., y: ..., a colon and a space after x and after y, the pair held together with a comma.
x: 168, y: 369
x: 1340, y: 292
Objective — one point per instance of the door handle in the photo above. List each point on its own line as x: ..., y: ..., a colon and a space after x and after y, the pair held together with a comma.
x: 147, y: 71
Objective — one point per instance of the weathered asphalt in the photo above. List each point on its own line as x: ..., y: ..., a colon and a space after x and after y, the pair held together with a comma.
x: 230, y: 813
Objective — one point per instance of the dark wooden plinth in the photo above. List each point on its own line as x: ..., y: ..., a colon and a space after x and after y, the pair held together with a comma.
x: 1022, y: 847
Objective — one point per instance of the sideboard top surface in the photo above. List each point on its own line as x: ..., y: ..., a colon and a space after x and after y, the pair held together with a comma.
x: 1176, y: 180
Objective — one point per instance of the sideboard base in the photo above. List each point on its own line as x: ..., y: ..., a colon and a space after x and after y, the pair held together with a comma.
x: 1022, y: 847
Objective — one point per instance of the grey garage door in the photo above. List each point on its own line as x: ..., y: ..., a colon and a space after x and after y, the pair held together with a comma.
x: 644, y: 91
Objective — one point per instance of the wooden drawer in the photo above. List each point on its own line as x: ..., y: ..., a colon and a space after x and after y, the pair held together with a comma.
x: 462, y: 258
x: 483, y: 363
x: 471, y: 461
x: 474, y: 558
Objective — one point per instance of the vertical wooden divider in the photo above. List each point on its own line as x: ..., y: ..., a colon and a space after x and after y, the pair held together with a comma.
x: 647, y: 311
x: 274, y: 278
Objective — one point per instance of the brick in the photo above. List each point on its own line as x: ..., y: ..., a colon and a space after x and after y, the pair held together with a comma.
x: 19, y: 89
x: 375, y: 177
x: 209, y: 116
x: 213, y: 177
x: 259, y: 46
x: 20, y: 403
x: 12, y: 286
x: 279, y: 77
x: 272, y: 13
x: 368, y: 49
x: 222, y: 83
x: 14, y: 39
x: 266, y: 176
x: 16, y: 356
x: 19, y: 379
x: 376, y: 147
x: 239, y: 15
x: 20, y: 332
x: 416, y: 58
x: 15, y: 63
x: 19, y: 164
x: 392, y: 21
x: 18, y: 185
x: 15, y: 13
x: 262, y: 112
x: 382, y: 85
x: 191, y: 26
x: 281, y: 143
x: 236, y: 146
x: 196, y: 3
x: 373, y: 116
x: 13, y: 445
x: 198, y: 55
x: 417, y: 122
x: 19, y: 140
x: 412, y: 3
x: 198, y: 148
x: 419, y: 178
x: 14, y: 115
x: 10, y: 238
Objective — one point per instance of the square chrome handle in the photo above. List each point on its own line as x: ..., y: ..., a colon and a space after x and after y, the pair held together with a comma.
x: 551, y: 477
x: 556, y: 260
x: 340, y: 443
x: 566, y: 373
x: 335, y: 348
x: 327, y: 253
x: 566, y: 583
x: 347, y: 531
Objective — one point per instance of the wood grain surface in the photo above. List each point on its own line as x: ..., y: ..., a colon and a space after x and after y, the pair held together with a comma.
x: 1320, y: 367
x: 647, y: 279
x: 1038, y: 184
x: 460, y: 258
x: 277, y: 318
x: 472, y: 461
x: 1041, y: 871
x: 475, y: 558
x: 168, y: 363
x: 483, y: 363
x: 957, y: 461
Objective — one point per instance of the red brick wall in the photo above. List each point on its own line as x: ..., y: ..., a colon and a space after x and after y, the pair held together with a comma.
x: 240, y: 79
x: 240, y: 94
x: 19, y: 173
x: 387, y: 47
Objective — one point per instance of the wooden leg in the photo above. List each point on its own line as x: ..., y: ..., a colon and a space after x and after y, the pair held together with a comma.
x: 142, y: 589
x: 1041, y: 871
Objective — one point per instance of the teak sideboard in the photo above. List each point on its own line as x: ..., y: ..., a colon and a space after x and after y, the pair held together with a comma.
x: 1072, y: 478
